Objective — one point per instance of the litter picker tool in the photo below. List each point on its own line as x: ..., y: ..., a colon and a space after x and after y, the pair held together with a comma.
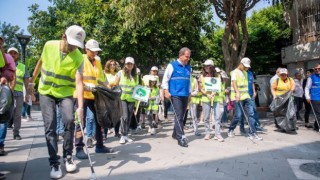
x: 93, y: 174
x: 175, y: 114
x: 246, y: 117
x: 315, y: 116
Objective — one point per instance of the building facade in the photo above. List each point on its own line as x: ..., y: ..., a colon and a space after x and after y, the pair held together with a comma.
x: 303, y: 17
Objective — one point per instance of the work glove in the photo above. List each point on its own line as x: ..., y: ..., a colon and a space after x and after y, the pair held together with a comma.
x: 89, y: 87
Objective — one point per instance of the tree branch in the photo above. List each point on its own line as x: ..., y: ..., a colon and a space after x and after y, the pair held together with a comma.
x: 218, y: 6
x: 250, y: 4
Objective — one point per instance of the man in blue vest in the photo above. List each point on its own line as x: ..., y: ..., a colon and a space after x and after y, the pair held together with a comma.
x: 22, y: 78
x: 176, y: 85
x: 312, y: 93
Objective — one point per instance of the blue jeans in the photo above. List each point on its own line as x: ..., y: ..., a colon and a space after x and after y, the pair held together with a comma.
x: 224, y: 118
x: 3, y: 133
x: 90, y: 124
x: 238, y: 113
x: 255, y: 113
x: 255, y: 116
x: 25, y: 109
x: 60, y: 126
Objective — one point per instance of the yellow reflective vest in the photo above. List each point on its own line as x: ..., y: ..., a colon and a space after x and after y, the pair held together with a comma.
x: 92, y: 73
x: 242, y: 85
x: 20, y: 71
x: 127, y: 87
x: 219, y: 96
x: 153, y: 106
x: 195, y: 99
x: 57, y: 74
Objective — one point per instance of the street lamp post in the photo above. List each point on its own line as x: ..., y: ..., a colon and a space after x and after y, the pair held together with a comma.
x: 23, y: 40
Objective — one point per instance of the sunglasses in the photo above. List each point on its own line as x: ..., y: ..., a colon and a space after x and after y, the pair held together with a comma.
x: 317, y: 69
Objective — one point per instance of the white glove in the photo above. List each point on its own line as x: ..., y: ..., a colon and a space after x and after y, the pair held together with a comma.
x: 89, y: 86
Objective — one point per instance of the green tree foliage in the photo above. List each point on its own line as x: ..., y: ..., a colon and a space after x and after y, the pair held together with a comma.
x: 8, y: 32
x: 168, y: 26
x: 268, y: 33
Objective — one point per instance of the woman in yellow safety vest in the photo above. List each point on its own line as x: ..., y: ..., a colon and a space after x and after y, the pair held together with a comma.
x: 283, y: 84
x: 127, y: 79
x: 110, y: 70
x: 153, y: 107
x: 211, y: 101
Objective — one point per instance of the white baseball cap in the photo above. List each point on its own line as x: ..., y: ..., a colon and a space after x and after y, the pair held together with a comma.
x: 283, y: 71
x: 129, y: 60
x: 208, y: 62
x: 75, y: 35
x: 154, y: 68
x: 13, y: 49
x: 218, y: 69
x: 246, y: 62
x: 152, y: 78
x: 93, y: 45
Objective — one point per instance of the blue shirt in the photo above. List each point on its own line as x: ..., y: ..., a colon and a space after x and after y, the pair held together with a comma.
x: 250, y: 83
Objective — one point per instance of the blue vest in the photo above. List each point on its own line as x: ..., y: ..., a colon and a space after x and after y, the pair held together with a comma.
x: 315, y: 87
x: 250, y: 82
x: 179, y: 82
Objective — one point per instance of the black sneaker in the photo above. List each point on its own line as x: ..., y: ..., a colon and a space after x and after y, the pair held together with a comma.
x: 2, y: 151
x: 103, y: 149
x: 89, y: 143
x: 80, y: 154
x: 17, y: 137
x: 2, y: 176
x: 143, y: 125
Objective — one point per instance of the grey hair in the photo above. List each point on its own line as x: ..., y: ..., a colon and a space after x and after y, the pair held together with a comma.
x: 183, y: 50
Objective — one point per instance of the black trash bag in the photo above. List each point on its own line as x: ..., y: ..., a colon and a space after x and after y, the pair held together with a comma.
x: 284, y: 111
x: 108, y: 105
x: 6, y: 103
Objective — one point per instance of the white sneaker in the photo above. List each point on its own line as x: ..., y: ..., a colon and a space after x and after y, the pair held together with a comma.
x: 149, y: 129
x: 122, y: 140
x: 55, y: 172
x: 29, y: 118
x: 255, y: 137
x: 70, y: 165
x: 230, y: 133
x: 128, y: 139
x: 153, y: 131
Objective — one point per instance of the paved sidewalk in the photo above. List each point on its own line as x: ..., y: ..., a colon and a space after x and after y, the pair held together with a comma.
x: 278, y: 156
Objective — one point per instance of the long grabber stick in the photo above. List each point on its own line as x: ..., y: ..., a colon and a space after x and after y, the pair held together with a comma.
x: 93, y: 174
x: 315, y: 116
x: 175, y: 114
x: 246, y: 117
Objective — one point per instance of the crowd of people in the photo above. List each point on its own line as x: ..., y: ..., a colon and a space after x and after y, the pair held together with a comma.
x: 68, y: 79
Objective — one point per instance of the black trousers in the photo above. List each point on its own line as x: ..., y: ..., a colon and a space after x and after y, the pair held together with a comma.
x: 316, y: 107
x: 179, y: 104
x: 299, y: 102
x: 167, y: 105
x: 307, y: 107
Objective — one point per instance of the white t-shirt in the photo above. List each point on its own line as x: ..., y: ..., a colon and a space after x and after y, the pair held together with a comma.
x: 298, y: 92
